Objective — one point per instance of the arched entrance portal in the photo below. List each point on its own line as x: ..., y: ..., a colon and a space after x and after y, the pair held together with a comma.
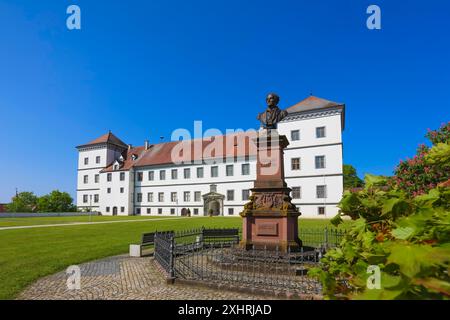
x: 214, y: 208
x: 115, y: 211
x: 213, y: 202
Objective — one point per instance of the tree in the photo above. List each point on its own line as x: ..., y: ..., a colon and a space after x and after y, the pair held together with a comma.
x: 23, y: 202
x: 56, y: 201
x: 351, y: 179
x: 429, y: 167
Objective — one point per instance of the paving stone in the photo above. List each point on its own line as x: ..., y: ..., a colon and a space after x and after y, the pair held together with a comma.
x: 123, y: 278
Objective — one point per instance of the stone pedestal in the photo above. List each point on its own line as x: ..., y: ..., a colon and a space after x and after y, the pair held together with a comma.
x: 270, y: 219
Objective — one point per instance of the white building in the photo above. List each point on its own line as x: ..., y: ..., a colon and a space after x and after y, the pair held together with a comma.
x: 117, y: 179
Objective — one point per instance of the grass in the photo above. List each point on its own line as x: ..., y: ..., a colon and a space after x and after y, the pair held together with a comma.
x: 29, y: 254
x: 15, y: 222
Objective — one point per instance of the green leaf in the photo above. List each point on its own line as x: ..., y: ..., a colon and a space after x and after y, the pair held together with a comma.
x: 410, y: 257
x: 388, y: 205
x: 337, y: 220
x: 373, y: 180
x: 403, y: 233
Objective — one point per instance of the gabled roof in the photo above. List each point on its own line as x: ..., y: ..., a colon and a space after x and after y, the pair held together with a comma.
x: 107, y: 138
x: 217, y: 147
x: 128, y: 162
x: 313, y: 103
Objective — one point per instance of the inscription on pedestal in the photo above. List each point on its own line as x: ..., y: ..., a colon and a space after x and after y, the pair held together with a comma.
x: 267, y: 229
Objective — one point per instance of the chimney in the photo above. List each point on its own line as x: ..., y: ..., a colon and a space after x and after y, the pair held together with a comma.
x: 129, y: 147
x: 146, y: 145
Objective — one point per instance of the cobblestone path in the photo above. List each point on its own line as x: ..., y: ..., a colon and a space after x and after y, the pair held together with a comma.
x: 122, y: 278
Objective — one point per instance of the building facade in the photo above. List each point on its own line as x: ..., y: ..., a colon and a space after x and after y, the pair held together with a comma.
x: 118, y: 179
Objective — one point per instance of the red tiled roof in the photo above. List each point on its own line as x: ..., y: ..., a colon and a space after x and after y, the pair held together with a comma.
x: 312, y: 103
x: 107, y: 138
x: 128, y: 161
x: 217, y: 147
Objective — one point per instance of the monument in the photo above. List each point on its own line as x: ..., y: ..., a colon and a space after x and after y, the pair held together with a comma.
x: 270, y: 220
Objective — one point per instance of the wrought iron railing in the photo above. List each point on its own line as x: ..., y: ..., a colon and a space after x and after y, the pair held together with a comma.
x: 218, y: 260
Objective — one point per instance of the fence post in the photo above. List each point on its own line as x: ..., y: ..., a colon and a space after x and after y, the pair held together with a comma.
x: 326, y: 238
x: 171, y: 278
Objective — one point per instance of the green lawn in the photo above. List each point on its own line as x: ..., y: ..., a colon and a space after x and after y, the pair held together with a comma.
x: 14, y: 222
x: 28, y: 254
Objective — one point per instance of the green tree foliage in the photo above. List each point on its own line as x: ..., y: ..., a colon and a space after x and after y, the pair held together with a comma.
x: 23, y: 202
x: 351, y: 179
x: 408, y: 238
x: 401, y: 225
x: 56, y: 201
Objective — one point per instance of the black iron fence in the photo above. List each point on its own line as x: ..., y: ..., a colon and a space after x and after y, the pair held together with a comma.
x: 211, y: 256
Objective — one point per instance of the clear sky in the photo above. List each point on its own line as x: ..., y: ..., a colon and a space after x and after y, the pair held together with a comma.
x: 144, y: 68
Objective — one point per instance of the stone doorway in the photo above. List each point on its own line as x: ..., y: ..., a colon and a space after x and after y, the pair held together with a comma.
x: 115, y: 211
x: 213, y: 202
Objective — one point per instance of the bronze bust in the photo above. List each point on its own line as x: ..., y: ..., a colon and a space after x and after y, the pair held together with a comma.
x: 273, y: 114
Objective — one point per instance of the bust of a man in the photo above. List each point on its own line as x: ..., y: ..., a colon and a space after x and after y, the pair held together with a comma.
x: 273, y: 114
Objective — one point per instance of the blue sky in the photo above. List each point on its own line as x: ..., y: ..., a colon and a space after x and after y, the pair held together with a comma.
x: 145, y: 68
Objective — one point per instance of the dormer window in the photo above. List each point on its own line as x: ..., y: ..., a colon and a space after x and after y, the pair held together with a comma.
x: 116, y: 165
x: 121, y: 159
x: 133, y: 157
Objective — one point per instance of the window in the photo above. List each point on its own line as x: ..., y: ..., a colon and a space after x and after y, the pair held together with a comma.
x: 150, y: 197
x: 149, y: 210
x: 85, y: 198
x: 295, y: 135
x: 230, y: 195
x: 121, y: 189
x: 187, y: 173
x: 151, y: 175
x: 295, y: 163
x: 214, y: 172
x: 96, y: 198
x: 109, y: 177
x: 116, y: 167
x: 321, y: 191
x: 161, y: 197
x: 296, y: 192
x: 122, y: 176
x: 172, y: 211
x: 86, y: 161
x: 196, y: 211
x: 174, y: 174
x: 173, y: 197
x: 122, y: 209
x: 245, y: 169
x: 320, y: 162
x: 85, y: 179
x: 159, y: 210
x: 107, y: 209
x: 139, y: 176
x: 139, y: 197
x: 200, y: 172
x: 245, y: 194
x: 230, y: 211
x: 320, y: 132
x: 321, y: 211
x: 197, y: 196
x: 138, y: 210
x: 97, y: 178
x: 97, y: 159
x: 162, y: 175
x: 187, y: 196
x: 108, y: 190
x: 229, y: 170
